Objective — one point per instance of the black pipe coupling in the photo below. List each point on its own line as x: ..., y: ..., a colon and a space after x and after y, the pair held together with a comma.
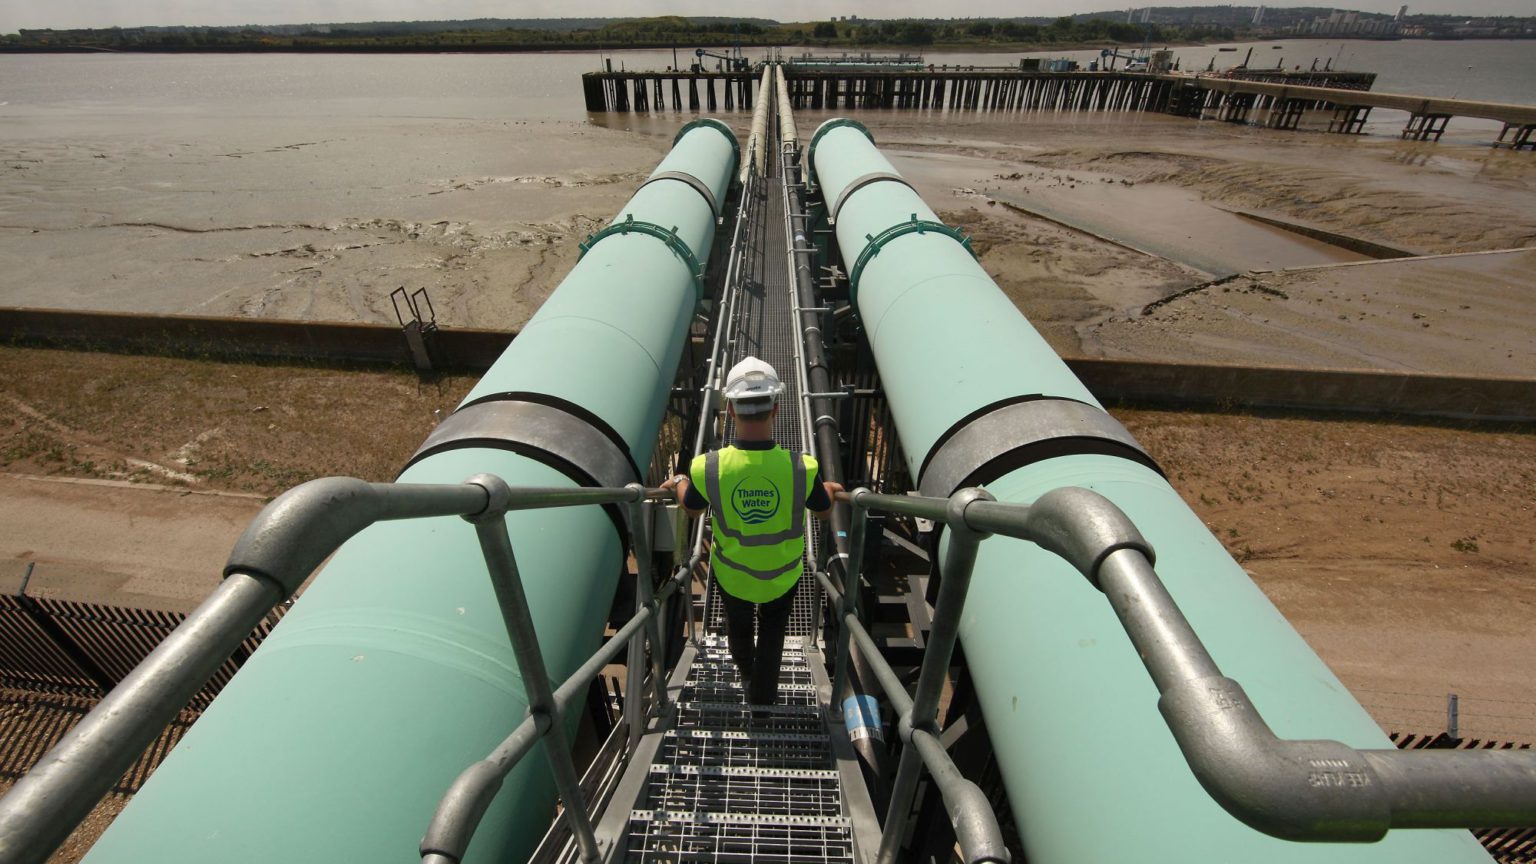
x: 1322, y: 791
x: 1084, y: 528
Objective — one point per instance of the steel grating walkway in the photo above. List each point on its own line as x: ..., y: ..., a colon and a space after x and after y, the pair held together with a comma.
x: 722, y: 782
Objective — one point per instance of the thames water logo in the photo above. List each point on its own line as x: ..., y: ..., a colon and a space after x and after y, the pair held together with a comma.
x: 755, y: 500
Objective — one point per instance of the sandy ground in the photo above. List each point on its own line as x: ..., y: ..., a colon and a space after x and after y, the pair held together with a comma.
x: 1404, y: 554
x: 152, y: 546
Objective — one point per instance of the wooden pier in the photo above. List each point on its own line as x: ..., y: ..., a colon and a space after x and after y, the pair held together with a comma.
x: 879, y: 88
x: 979, y: 91
x: 648, y: 91
x: 1235, y: 100
x: 1276, y: 97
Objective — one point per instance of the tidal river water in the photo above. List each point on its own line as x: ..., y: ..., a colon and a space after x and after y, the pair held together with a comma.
x: 310, y: 186
x: 546, y: 86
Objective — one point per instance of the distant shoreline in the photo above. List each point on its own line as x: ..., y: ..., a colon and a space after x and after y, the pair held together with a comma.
x: 548, y: 48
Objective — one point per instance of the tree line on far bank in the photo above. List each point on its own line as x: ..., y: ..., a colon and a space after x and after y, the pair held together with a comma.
x: 641, y: 32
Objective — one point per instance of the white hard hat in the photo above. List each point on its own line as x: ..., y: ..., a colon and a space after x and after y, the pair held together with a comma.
x: 750, y: 381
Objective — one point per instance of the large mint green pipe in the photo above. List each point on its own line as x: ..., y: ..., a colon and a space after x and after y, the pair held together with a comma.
x: 393, y: 672
x: 1092, y: 772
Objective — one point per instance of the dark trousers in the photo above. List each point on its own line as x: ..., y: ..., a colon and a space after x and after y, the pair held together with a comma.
x: 759, y: 666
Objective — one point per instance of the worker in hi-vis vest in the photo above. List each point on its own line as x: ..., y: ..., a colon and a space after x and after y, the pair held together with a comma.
x: 757, y: 494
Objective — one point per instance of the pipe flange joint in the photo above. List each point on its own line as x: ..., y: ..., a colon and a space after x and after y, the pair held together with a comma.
x: 859, y: 183
x: 498, y: 498
x: 546, y: 429
x: 877, y: 241
x: 1083, y: 528
x: 716, y: 125
x: 810, y: 150
x: 665, y: 235
x: 692, y: 182
x: 954, y: 513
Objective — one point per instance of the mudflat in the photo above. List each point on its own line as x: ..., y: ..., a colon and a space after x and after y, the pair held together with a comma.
x: 316, y: 220
x: 1084, y: 220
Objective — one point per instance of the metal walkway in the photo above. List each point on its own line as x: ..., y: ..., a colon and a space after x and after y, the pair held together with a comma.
x: 715, y: 780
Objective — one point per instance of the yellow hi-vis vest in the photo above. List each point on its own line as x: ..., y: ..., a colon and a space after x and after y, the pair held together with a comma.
x: 757, y: 506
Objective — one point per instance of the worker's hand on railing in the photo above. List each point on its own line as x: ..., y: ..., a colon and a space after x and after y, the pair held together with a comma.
x: 677, y: 484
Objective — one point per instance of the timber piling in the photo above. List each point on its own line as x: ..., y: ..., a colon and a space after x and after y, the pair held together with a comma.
x: 1276, y: 98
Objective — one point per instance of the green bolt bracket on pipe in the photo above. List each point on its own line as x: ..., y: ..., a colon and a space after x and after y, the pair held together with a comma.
x: 978, y: 397
x: 876, y: 242
x: 666, y: 235
x: 710, y: 123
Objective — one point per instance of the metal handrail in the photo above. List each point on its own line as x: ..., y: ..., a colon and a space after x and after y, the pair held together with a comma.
x: 1295, y: 790
x: 976, y: 827
x: 279, y: 549
x: 462, y: 807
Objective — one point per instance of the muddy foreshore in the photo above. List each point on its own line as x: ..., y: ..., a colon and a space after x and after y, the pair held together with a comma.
x: 304, y: 220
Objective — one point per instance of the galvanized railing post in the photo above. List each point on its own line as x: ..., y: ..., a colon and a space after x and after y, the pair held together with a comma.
x: 692, y: 564
x: 856, y: 537
x: 496, y: 545
x: 959, y: 560
x: 634, y: 662
x: 656, y: 631
x: 640, y: 538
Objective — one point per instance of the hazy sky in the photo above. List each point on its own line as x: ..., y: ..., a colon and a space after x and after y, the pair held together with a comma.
x: 15, y: 14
